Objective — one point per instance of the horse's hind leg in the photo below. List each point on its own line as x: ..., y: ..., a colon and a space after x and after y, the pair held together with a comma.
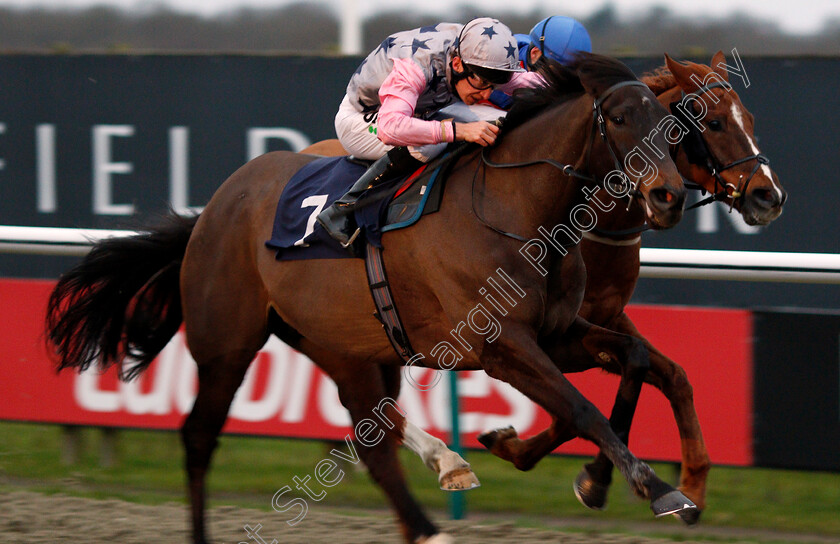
x: 226, y: 324
x: 218, y: 380
x: 362, y: 390
x: 454, y: 473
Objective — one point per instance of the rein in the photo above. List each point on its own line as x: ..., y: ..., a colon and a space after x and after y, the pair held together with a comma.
x: 567, y: 169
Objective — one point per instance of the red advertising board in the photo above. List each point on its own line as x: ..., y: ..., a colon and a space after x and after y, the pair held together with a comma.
x: 284, y: 394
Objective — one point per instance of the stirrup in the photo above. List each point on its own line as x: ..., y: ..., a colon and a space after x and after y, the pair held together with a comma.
x: 349, y: 242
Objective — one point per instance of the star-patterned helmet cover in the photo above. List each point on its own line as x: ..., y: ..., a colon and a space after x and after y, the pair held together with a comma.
x: 488, y: 43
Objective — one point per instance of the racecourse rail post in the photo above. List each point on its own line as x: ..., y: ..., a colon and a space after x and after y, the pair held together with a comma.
x: 456, y: 498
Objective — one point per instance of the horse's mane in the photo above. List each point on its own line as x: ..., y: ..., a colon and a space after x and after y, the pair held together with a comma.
x: 660, y: 80
x: 563, y: 83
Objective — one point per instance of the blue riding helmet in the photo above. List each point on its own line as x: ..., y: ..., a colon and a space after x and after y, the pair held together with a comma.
x: 523, y: 43
x: 558, y: 37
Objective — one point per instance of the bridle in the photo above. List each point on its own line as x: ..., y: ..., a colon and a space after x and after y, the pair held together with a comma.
x: 598, y: 124
x: 699, y: 153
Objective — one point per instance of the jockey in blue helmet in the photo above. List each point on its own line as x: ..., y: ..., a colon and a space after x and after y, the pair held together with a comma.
x: 556, y: 37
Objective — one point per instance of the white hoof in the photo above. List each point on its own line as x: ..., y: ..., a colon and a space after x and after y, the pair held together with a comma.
x: 455, y: 473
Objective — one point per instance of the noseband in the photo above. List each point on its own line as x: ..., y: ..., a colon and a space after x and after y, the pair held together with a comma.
x: 698, y: 153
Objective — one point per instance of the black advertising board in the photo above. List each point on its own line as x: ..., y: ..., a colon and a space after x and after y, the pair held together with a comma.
x: 90, y: 140
x: 796, y: 377
x: 103, y: 141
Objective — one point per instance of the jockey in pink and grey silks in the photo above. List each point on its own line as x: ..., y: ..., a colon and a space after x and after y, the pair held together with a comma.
x: 405, y: 81
x: 392, y: 97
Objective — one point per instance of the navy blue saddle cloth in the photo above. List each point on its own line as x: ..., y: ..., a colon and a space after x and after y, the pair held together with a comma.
x: 392, y: 205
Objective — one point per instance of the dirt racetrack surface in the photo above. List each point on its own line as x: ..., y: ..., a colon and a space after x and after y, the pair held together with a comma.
x: 27, y: 517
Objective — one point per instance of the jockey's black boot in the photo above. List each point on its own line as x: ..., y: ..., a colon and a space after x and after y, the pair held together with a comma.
x: 338, y: 220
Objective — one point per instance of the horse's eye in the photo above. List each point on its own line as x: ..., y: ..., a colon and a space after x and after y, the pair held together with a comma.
x: 618, y: 119
x: 716, y: 125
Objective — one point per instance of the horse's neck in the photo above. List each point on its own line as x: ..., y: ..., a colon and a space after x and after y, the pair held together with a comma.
x: 543, y: 195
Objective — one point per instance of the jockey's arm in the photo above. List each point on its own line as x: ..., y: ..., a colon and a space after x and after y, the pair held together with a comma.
x: 398, y: 95
x: 396, y: 122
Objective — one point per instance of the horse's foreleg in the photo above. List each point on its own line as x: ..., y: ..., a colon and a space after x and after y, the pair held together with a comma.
x: 525, y: 454
x: 589, y: 347
x: 631, y: 356
x: 454, y: 472
x: 573, y: 414
x: 363, y: 393
x: 218, y: 380
x: 672, y: 380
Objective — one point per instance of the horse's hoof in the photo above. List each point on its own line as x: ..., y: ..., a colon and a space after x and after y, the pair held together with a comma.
x: 676, y: 503
x: 490, y: 438
x: 689, y: 516
x: 440, y: 538
x: 590, y: 493
x: 459, y: 479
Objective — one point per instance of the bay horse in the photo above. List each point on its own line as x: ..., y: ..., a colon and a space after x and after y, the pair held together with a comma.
x: 124, y: 301
x: 724, y: 161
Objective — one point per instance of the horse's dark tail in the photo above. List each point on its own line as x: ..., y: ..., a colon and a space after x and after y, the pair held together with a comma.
x: 122, y: 303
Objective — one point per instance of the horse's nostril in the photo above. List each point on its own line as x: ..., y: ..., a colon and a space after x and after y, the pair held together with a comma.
x: 767, y: 198
x: 658, y: 195
x: 664, y: 197
x: 763, y: 195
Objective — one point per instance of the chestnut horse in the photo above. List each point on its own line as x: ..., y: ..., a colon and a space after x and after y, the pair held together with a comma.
x: 127, y: 298
x: 724, y: 161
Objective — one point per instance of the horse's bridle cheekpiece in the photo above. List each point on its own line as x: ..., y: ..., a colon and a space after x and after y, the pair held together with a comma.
x: 699, y: 153
x: 599, y: 123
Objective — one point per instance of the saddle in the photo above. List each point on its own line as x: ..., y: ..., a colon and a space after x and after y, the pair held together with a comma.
x: 395, y: 204
x: 392, y: 205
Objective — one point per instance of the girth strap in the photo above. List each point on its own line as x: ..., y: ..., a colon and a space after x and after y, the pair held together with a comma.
x: 386, y: 310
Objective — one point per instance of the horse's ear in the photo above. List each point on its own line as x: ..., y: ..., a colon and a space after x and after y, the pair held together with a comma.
x: 592, y: 89
x: 592, y: 85
x: 682, y: 73
x: 718, y: 61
